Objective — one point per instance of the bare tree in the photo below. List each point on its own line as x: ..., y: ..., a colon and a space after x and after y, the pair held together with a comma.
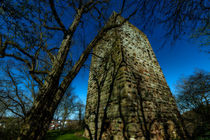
x: 67, y: 106
x: 193, y: 100
x: 179, y: 18
x: 193, y: 91
x: 33, y: 30
x: 28, y: 43
x: 187, y: 18
x: 2, y: 106
x: 13, y: 97
x: 80, y: 112
x: 15, y: 101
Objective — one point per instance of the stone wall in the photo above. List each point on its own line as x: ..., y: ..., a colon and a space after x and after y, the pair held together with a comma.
x: 128, y: 96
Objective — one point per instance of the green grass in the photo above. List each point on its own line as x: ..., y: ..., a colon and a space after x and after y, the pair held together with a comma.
x: 206, y: 137
x: 64, y: 135
x: 70, y: 137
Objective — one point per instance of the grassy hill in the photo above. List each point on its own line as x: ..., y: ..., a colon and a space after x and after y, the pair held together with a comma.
x: 64, y: 135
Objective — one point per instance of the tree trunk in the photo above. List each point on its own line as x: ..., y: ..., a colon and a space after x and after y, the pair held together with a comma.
x: 37, y: 121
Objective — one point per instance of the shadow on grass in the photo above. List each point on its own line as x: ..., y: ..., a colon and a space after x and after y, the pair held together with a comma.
x: 64, y: 135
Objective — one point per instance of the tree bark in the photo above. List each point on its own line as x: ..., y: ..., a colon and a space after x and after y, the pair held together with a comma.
x: 37, y: 120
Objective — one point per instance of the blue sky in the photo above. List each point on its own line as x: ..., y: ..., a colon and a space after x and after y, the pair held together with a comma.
x: 177, y: 60
x: 182, y: 58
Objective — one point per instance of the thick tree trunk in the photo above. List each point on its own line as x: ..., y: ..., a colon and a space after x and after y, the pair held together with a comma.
x: 38, y: 119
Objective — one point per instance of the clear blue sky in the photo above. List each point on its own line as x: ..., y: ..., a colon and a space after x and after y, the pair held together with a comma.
x: 180, y: 59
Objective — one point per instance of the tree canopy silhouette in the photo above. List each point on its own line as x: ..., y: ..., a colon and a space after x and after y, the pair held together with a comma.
x: 193, y: 100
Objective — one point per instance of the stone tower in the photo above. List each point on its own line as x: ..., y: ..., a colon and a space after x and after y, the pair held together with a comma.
x: 128, y: 97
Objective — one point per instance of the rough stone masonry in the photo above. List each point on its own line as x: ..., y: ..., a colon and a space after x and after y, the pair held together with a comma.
x: 128, y: 97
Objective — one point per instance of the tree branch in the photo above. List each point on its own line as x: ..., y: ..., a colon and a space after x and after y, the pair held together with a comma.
x: 55, y: 14
x: 19, y: 48
x: 19, y: 58
x: 21, y: 103
x: 90, y: 5
x: 12, y: 110
x: 39, y: 72
x: 3, y: 54
x: 53, y: 28
x: 75, y: 69
x: 122, y: 8
x: 30, y: 71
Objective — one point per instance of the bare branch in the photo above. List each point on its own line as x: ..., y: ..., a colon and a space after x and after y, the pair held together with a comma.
x: 53, y: 28
x: 90, y: 5
x: 19, y: 48
x: 51, y: 56
x: 122, y: 8
x: 0, y: 40
x: 75, y: 69
x: 21, y: 103
x: 80, y: 3
x: 52, y: 6
x: 31, y: 71
x: 10, y: 109
x: 36, y: 79
x: 3, y: 49
x: 96, y: 55
x: 39, y: 72
x: 74, y: 5
x: 19, y: 58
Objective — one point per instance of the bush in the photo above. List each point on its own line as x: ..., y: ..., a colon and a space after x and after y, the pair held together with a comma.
x: 9, y: 129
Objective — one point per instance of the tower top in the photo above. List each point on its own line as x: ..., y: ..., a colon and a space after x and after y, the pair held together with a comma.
x: 116, y: 18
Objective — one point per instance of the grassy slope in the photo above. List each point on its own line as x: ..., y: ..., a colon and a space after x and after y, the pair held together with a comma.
x: 70, y: 137
x: 63, y: 135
